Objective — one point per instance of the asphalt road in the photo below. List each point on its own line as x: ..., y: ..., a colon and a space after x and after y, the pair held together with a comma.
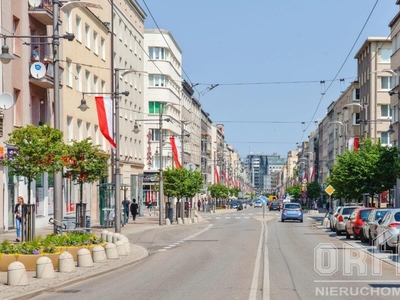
x: 244, y: 256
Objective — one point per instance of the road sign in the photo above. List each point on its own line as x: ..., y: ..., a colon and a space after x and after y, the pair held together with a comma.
x: 329, y: 190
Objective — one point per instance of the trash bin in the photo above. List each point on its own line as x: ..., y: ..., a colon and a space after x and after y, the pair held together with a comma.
x: 69, y: 222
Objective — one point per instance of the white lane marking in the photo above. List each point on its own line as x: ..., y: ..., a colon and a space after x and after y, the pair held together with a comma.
x: 227, y: 217
x: 218, y: 218
x: 247, y: 217
x: 254, y: 283
x: 238, y: 217
x: 162, y: 250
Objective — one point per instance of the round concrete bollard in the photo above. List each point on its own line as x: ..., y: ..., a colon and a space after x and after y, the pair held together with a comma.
x: 16, y: 274
x: 127, y: 244
x: 121, y: 248
x: 110, y: 236
x: 104, y: 235
x: 185, y: 221
x: 84, y: 259
x: 66, y: 263
x: 115, y: 237
x: 99, y: 254
x: 194, y: 220
x: 180, y: 221
x: 121, y: 237
x: 45, y: 268
x: 111, y: 251
x: 167, y: 222
x: 199, y: 218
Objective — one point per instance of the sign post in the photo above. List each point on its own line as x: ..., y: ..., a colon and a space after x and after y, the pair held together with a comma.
x: 330, y: 190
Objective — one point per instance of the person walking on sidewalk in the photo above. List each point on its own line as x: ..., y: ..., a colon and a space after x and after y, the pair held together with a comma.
x: 149, y: 206
x: 126, y: 204
x: 134, y: 209
x: 20, y: 216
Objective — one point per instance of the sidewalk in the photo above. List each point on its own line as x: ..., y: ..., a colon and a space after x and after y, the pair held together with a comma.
x: 36, y: 286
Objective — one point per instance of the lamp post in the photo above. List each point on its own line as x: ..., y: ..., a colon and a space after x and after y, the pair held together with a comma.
x: 160, y: 177
x: 116, y: 97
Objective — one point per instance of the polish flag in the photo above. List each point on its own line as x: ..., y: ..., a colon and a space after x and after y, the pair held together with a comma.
x: 105, y: 114
x: 311, y: 174
x: 217, y: 177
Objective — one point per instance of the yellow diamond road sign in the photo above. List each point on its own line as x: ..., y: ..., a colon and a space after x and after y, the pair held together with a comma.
x: 329, y: 190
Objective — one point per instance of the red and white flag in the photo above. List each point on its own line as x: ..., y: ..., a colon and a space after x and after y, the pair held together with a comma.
x: 225, y: 178
x: 311, y: 174
x: 217, y: 178
x: 177, y: 161
x: 105, y: 114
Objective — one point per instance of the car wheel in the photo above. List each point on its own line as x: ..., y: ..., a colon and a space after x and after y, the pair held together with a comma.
x: 362, y: 237
x: 355, y: 235
x: 347, y: 235
x: 282, y: 220
x: 370, y: 240
x: 338, y: 232
x: 301, y: 221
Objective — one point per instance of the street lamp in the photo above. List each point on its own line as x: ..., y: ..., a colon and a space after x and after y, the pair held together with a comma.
x: 136, y: 130
x: 116, y: 97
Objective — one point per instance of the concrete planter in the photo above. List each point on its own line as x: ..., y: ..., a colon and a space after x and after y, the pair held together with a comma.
x: 29, y: 260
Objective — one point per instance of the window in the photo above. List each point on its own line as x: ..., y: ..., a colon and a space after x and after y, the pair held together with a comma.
x: 356, y: 119
x: 69, y: 21
x: 80, y: 133
x: 154, y: 107
x: 158, y: 53
x: 356, y: 94
x: 78, y: 78
x: 385, y: 111
x: 386, y: 83
x: 87, y: 36
x: 95, y: 43
x: 69, y: 73
x: 87, y: 76
x: 95, y: 84
x: 103, y: 49
x: 157, y: 80
x: 88, y: 130
x: 70, y: 130
x: 96, y: 135
x: 103, y: 86
x: 155, y: 135
x: 78, y: 35
x: 385, y: 55
x: 385, y: 138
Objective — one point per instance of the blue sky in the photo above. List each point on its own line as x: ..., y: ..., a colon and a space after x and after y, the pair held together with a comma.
x: 268, y: 57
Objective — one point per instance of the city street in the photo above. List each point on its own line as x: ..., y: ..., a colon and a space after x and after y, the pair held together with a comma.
x: 225, y: 258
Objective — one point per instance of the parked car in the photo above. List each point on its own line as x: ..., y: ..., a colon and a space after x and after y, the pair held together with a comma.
x: 356, y: 221
x: 274, y: 206
x: 370, y: 226
x: 333, y: 218
x: 291, y: 211
x: 342, y: 217
x: 388, y: 230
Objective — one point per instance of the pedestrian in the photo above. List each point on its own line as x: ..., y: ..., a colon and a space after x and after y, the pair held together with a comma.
x: 20, y: 212
x: 149, y: 206
x: 134, y: 209
x: 315, y: 205
x: 327, y: 208
x: 125, y: 205
x: 35, y: 54
x: 198, y: 205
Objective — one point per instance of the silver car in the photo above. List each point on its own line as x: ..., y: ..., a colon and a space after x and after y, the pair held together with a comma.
x: 388, y: 230
x: 342, y: 217
x: 371, y: 224
x: 332, y: 218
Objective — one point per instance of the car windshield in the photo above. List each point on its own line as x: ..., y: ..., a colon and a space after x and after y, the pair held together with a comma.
x: 348, y: 210
x: 364, y: 214
x: 292, y: 206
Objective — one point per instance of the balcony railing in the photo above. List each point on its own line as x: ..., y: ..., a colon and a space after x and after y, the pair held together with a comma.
x: 43, y: 12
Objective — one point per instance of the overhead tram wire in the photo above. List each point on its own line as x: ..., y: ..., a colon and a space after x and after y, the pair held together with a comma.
x: 340, y: 69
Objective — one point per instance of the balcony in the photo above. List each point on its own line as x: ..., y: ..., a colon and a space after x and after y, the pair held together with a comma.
x: 46, y: 82
x: 43, y: 12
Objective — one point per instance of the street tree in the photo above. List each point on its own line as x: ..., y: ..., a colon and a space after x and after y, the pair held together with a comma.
x: 35, y: 150
x: 219, y: 191
x: 294, y: 191
x: 85, y: 163
x: 313, y: 190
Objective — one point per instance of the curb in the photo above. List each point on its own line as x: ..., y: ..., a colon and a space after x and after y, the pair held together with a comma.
x: 143, y: 253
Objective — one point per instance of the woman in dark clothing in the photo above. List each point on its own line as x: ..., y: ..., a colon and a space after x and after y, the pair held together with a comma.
x: 134, y: 209
x: 20, y: 212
